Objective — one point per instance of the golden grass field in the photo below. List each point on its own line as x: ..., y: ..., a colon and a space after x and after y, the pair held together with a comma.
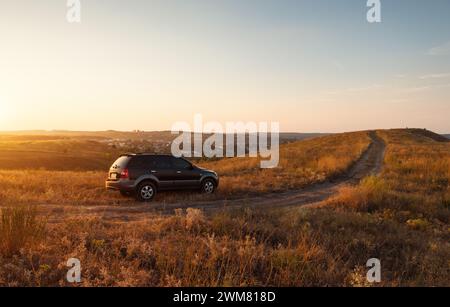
x: 54, y: 153
x: 301, y: 163
x: 400, y: 217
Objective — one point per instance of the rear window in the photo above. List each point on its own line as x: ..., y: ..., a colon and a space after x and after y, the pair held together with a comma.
x: 121, y: 162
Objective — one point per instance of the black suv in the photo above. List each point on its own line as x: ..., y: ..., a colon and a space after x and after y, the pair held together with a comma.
x: 144, y: 174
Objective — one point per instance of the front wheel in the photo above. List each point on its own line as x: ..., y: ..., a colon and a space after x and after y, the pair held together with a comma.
x: 146, y: 191
x: 208, y: 186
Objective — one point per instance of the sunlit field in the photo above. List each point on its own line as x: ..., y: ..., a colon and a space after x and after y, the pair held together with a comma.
x: 400, y: 217
x: 301, y: 163
x: 54, y: 153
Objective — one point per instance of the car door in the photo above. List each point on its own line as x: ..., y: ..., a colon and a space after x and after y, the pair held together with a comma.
x: 137, y: 167
x: 186, y: 176
x: 162, y: 169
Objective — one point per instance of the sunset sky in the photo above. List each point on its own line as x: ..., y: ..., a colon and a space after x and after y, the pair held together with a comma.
x: 313, y: 66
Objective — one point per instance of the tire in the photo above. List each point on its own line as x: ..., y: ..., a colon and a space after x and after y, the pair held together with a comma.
x: 208, y: 186
x: 146, y: 191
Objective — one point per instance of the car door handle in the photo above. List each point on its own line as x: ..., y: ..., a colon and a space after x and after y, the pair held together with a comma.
x: 178, y: 172
x: 153, y: 172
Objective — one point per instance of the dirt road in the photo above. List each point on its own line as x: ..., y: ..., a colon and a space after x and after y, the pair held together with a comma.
x: 369, y: 163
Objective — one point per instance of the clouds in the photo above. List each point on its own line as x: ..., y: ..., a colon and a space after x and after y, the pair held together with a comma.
x: 435, y: 76
x: 429, y: 76
x: 426, y: 88
x: 440, y: 50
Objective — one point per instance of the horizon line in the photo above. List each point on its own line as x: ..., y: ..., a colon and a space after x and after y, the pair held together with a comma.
x: 160, y: 131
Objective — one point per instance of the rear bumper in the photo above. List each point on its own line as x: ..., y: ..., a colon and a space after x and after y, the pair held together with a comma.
x: 119, y: 185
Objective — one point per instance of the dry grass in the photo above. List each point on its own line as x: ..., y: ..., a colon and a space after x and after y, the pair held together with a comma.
x: 187, y: 249
x: 54, y: 154
x: 242, y: 248
x: 301, y: 163
x: 413, y: 195
x: 19, y: 227
x: 402, y: 218
x: 414, y: 184
x: 55, y: 187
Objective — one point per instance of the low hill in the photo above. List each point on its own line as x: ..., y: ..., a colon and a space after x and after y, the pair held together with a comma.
x: 429, y: 134
x: 78, y: 150
x: 120, y: 135
x: 401, y: 216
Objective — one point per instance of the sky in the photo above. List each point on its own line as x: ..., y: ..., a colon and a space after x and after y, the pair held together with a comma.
x: 312, y: 65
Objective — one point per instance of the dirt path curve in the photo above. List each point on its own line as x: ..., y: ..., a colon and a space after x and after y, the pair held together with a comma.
x: 369, y: 163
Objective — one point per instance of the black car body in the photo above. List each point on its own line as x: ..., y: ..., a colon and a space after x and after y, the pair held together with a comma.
x: 144, y: 174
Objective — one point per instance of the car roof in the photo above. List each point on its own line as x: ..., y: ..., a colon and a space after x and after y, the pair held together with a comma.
x: 144, y: 154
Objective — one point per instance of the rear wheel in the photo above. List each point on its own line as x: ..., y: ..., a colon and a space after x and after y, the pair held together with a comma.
x: 146, y: 191
x: 208, y: 186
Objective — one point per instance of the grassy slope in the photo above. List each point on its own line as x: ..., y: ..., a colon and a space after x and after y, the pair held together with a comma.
x: 55, y: 154
x: 85, y: 151
x: 401, y: 218
x: 301, y: 163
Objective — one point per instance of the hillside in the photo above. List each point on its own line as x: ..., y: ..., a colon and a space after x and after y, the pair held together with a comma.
x: 400, y: 216
x: 426, y: 133
x: 301, y: 163
x: 78, y: 150
x: 158, y: 136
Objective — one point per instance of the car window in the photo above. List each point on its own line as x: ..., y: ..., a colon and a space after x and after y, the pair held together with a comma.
x: 162, y: 162
x: 180, y: 164
x: 121, y: 162
x: 145, y: 162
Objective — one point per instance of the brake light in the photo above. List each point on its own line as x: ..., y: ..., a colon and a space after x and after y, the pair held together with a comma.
x: 124, y: 174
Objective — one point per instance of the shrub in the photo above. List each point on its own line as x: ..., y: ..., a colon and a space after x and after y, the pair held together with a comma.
x: 19, y: 226
x: 369, y: 195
